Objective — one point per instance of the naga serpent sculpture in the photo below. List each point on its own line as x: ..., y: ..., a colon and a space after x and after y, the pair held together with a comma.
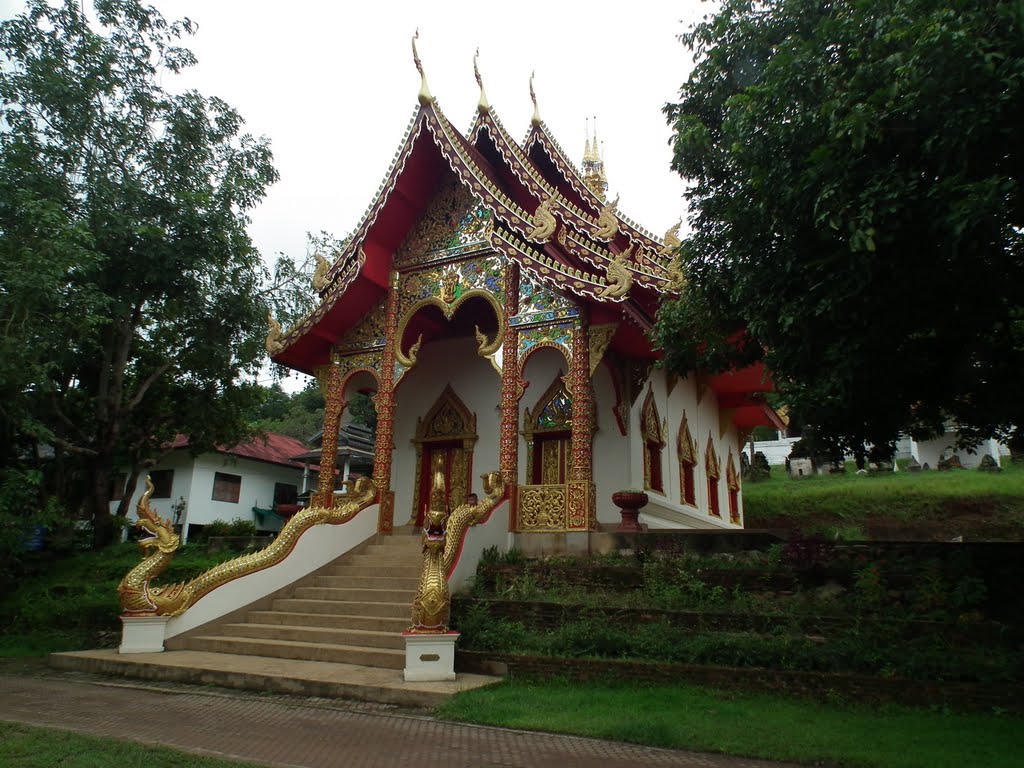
x: 431, y: 608
x: 141, y: 598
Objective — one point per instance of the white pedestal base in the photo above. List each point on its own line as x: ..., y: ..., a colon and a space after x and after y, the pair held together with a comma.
x: 142, y: 634
x: 429, y: 658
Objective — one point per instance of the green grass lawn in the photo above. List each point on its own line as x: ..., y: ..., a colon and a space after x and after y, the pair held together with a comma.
x: 30, y: 747
x: 968, y: 496
x: 766, y: 727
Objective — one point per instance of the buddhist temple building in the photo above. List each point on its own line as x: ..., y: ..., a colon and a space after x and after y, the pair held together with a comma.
x: 498, y: 306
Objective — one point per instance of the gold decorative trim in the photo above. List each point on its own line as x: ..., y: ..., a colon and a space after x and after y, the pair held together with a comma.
x: 535, y: 120
x: 449, y: 310
x: 543, y: 222
x: 275, y: 337
x: 652, y: 431
x: 686, y: 446
x: 323, y: 267
x: 600, y: 337
x: 542, y: 507
x: 672, y: 241
x: 618, y: 276
x: 137, y: 595
x: 423, y: 96
x: 711, y: 464
x: 732, y: 478
x: 607, y: 222
x: 483, y: 105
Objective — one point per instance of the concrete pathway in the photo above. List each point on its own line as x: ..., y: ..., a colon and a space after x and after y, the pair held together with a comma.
x: 300, y: 732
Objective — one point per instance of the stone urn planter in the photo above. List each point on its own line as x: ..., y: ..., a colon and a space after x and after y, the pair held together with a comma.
x: 629, y: 503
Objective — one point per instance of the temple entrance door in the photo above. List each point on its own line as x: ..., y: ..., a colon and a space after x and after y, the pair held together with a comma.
x: 550, y: 457
x: 444, y: 442
x: 450, y: 458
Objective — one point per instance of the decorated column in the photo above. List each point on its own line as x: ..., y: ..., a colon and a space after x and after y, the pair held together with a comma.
x: 385, y: 405
x: 582, y: 512
x: 329, y: 378
x: 511, y: 386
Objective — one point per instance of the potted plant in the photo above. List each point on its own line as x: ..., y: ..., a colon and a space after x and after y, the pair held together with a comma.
x: 629, y: 502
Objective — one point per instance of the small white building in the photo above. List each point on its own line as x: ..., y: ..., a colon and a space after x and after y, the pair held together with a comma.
x: 225, y: 484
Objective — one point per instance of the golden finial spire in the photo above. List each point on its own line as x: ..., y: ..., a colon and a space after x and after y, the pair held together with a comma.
x: 424, y: 95
x: 483, y: 105
x: 593, y: 164
x: 533, y: 97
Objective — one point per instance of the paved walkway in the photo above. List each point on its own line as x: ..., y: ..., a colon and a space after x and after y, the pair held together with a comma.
x: 297, y: 732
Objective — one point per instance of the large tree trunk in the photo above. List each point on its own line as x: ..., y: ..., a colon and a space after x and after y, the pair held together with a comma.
x: 99, y: 503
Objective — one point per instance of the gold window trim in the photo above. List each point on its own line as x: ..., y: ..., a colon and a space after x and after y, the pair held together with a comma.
x: 732, y: 479
x: 530, y: 427
x: 711, y: 463
x: 652, y: 430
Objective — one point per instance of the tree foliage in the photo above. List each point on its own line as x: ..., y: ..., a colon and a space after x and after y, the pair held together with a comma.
x: 132, y: 302
x: 857, y: 210
x: 299, y: 415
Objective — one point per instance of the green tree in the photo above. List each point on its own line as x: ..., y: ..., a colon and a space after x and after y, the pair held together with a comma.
x: 299, y: 415
x: 856, y: 208
x: 132, y: 302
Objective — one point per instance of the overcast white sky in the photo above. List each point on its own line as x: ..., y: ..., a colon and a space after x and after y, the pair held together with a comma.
x: 333, y: 86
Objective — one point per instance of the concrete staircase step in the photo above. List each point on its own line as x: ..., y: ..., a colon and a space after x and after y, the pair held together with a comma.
x: 356, y: 571
x: 292, y: 649
x: 356, y: 595
x: 380, y: 562
x: 395, y: 610
x: 398, y: 547
x: 366, y: 582
x: 332, y: 621
x: 273, y: 675
x: 362, y: 638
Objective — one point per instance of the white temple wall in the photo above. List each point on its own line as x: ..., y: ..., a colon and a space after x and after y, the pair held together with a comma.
x: 682, y: 401
x: 478, y: 385
x: 541, y: 368
x: 610, y: 449
x: 666, y: 510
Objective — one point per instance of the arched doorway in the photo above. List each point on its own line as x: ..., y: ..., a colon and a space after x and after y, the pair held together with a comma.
x: 444, y: 442
x: 548, y: 432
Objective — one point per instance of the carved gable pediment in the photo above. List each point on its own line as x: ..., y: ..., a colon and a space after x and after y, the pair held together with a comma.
x: 454, y: 220
x: 553, y: 412
x: 447, y: 419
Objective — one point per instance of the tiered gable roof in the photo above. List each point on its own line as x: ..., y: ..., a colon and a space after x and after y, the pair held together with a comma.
x: 622, y: 267
x: 543, y: 217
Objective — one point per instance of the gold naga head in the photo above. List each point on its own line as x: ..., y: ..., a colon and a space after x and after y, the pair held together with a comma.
x: 161, y: 532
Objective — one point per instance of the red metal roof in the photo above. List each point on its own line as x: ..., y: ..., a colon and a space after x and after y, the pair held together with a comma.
x: 273, y: 448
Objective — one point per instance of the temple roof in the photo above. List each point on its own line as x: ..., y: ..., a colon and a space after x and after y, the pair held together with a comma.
x: 592, y: 251
x: 543, y: 216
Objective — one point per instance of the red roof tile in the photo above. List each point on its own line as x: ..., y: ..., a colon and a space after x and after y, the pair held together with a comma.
x: 273, y: 448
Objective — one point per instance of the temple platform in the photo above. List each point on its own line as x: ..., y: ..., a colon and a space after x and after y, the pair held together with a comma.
x: 297, y: 677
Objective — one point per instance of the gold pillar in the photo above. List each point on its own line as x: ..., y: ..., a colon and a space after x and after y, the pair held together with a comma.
x: 329, y: 378
x: 581, y: 512
x: 511, y: 386
x: 385, y: 406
